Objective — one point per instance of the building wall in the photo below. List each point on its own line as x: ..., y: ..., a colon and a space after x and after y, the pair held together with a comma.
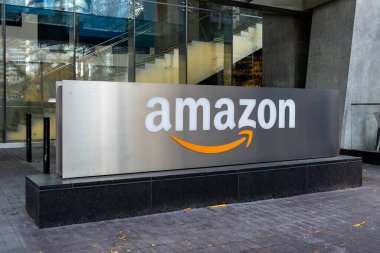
x: 286, y: 4
x: 285, y: 50
x: 363, y: 85
x: 330, y: 48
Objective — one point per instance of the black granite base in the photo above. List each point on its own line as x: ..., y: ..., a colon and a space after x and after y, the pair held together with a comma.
x: 51, y: 201
x: 368, y: 156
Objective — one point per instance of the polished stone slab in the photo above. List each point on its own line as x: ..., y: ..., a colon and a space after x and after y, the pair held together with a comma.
x: 368, y: 156
x: 52, y: 201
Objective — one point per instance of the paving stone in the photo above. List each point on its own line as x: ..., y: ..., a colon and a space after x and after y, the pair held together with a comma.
x: 150, y: 250
x: 321, y: 222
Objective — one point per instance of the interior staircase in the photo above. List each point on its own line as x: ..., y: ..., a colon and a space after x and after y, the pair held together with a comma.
x: 204, y: 59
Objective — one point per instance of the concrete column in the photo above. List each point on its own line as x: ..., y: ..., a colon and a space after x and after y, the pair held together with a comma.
x: 330, y: 48
x: 363, y: 85
x: 285, y: 50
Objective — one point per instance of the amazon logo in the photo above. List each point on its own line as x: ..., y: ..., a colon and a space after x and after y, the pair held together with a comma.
x: 265, y: 117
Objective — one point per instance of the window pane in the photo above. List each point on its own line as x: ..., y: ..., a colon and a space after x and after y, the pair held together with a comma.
x: 102, y: 48
x: 206, y: 47
x: 247, y: 48
x: 39, y: 53
x: 2, y: 127
x: 160, y: 40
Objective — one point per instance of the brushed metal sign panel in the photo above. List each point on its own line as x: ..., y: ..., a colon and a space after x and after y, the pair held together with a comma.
x: 103, y: 129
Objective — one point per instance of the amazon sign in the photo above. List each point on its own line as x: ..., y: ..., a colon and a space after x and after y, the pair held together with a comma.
x: 106, y: 128
x: 223, y: 120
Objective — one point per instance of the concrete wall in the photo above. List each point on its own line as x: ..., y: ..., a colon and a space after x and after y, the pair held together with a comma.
x: 285, y: 50
x: 330, y: 48
x: 308, y: 4
x: 286, y: 4
x: 344, y: 54
x: 292, y: 4
x: 363, y: 86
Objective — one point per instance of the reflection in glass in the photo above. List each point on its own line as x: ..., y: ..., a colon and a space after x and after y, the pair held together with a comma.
x: 205, y: 47
x: 247, y: 48
x: 62, y: 5
x: 39, y: 53
x: 102, y: 48
x: 158, y: 31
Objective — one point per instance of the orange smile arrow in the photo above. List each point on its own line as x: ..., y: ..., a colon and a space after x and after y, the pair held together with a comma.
x: 216, y: 149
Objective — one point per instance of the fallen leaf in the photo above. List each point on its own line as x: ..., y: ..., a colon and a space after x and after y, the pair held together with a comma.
x: 320, y: 230
x: 219, y: 206
x: 122, y: 236
x: 359, y: 224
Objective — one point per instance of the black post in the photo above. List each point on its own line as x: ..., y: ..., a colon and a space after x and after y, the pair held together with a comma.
x: 46, y: 155
x: 29, y: 137
x: 3, y: 28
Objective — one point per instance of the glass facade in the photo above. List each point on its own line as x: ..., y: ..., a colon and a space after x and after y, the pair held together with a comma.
x: 162, y: 41
x: 364, y: 127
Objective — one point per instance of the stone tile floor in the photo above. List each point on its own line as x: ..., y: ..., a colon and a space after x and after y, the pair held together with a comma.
x: 339, y: 221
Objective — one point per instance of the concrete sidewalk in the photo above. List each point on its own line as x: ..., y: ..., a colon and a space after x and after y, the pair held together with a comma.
x: 339, y: 221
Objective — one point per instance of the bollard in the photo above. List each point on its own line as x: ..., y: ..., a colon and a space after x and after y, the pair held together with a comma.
x: 29, y: 137
x: 46, y: 153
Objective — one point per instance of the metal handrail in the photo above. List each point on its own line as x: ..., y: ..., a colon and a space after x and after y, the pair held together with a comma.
x: 89, y: 52
x: 365, y: 103
x: 216, y: 39
x: 31, y: 106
